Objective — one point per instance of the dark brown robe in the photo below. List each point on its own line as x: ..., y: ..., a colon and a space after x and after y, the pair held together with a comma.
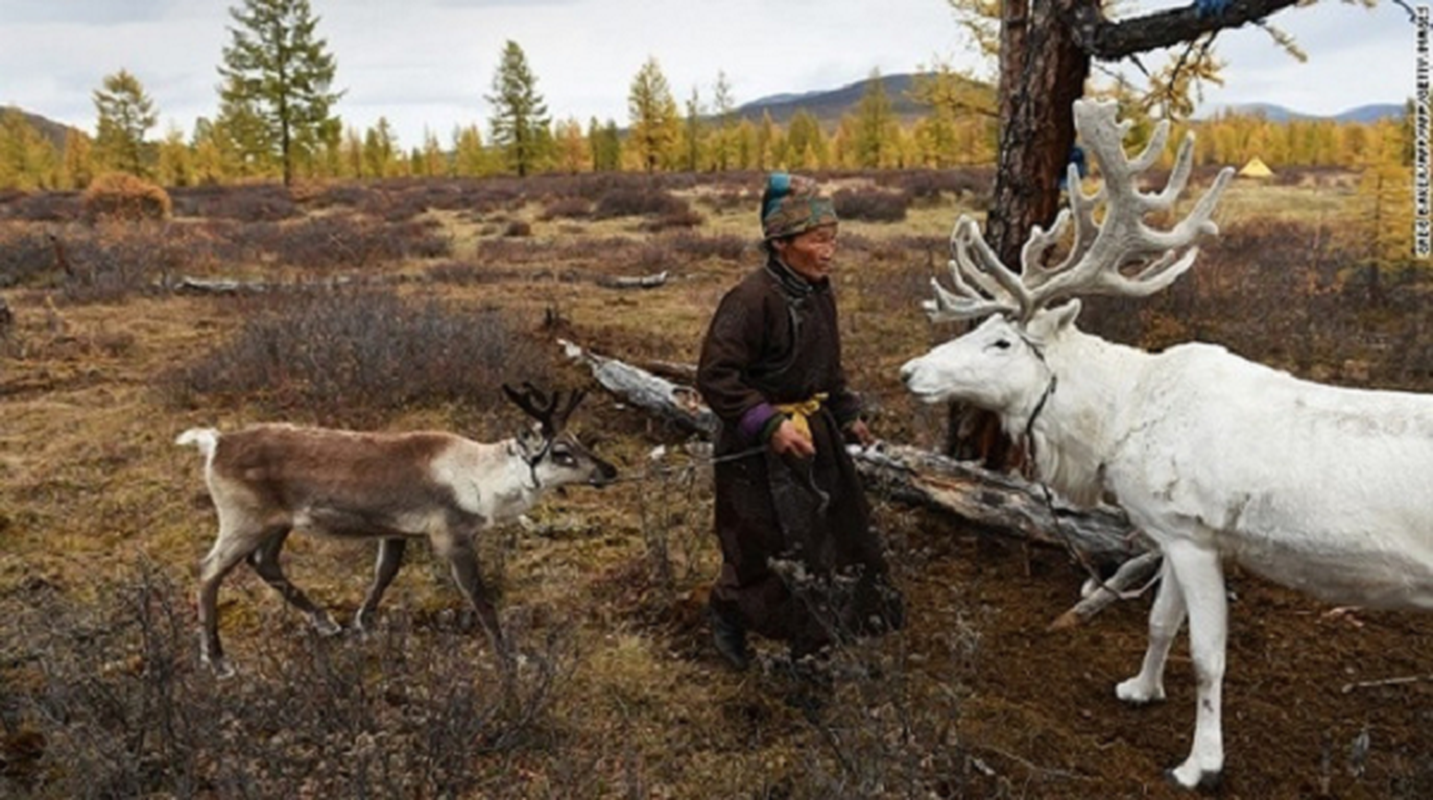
x: 775, y: 340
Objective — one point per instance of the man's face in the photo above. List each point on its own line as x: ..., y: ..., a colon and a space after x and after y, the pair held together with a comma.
x: 810, y: 253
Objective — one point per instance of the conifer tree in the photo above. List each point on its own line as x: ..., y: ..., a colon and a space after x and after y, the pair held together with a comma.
x: 765, y: 137
x: 77, y: 167
x: 805, y: 144
x: 278, y: 74
x: 125, y: 115
x: 693, y: 133
x: 431, y: 161
x: 572, y: 154
x: 520, y: 121
x: 27, y: 160
x: 250, y: 149
x: 212, y: 164
x: 874, y: 120
x: 652, y: 111
x: 606, y: 146
x: 469, y: 158
x: 175, y: 163
x: 723, y: 142
x: 380, y: 150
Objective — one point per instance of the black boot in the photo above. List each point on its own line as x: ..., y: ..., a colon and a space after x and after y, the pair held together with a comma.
x: 729, y: 637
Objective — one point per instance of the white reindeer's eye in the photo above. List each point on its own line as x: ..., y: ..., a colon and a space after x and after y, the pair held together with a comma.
x: 1001, y: 344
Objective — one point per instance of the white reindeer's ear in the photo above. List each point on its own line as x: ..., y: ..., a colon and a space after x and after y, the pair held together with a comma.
x: 1062, y: 317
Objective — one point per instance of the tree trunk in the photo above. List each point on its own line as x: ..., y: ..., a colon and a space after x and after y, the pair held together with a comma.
x: 1042, y: 72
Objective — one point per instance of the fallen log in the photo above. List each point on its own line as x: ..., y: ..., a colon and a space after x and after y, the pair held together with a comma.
x: 1100, y: 538
x: 636, y: 282
x: 658, y: 396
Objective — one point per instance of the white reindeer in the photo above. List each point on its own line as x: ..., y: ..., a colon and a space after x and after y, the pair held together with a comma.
x: 268, y: 480
x: 1320, y: 488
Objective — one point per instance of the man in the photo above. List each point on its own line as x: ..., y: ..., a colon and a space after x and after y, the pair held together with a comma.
x: 785, y: 486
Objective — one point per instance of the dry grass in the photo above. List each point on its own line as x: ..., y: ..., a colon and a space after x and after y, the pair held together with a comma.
x: 98, y: 504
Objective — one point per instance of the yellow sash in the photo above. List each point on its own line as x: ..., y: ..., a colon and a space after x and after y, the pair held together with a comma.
x: 798, y: 412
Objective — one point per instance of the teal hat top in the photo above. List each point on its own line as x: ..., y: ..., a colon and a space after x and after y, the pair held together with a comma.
x: 793, y: 204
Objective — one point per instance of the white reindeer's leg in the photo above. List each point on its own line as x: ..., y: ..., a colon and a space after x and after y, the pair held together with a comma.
x: 1201, y: 576
x: 265, y: 561
x: 1165, y: 618
x: 390, y: 558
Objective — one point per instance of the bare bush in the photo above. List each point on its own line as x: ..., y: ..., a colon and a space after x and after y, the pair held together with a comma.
x: 25, y: 256
x: 118, y: 261
x: 244, y: 203
x: 350, y: 358
x: 343, y: 241
x: 930, y: 184
x: 111, y: 704
x: 726, y: 247
x: 567, y: 208
x: 639, y: 201
x: 44, y: 207
x: 871, y: 205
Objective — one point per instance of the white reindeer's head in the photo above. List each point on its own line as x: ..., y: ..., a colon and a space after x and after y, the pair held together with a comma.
x: 1001, y: 364
x: 995, y: 366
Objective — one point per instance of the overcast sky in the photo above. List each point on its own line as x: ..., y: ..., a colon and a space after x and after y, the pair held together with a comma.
x: 429, y: 63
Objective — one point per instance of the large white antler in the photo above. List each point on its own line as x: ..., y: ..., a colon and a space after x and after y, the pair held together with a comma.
x: 1119, y: 255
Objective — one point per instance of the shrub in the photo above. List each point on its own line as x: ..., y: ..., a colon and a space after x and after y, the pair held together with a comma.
x: 112, y: 704
x: 629, y: 201
x: 24, y: 256
x: 45, y: 207
x: 352, y: 358
x: 121, y: 196
x: 871, y: 205
x: 727, y: 247
x: 247, y: 203
x: 567, y: 208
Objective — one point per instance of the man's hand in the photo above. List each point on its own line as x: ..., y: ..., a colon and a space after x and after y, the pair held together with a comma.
x: 862, y: 434
x: 786, y: 439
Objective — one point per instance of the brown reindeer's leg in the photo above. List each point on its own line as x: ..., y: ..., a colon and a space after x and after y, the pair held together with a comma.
x: 465, y: 571
x: 390, y: 558
x: 232, y: 545
x: 265, y: 561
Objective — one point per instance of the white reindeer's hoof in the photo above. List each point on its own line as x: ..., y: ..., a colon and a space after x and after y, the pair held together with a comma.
x: 1139, y: 692
x: 326, y: 626
x: 221, y: 667
x: 1188, y: 776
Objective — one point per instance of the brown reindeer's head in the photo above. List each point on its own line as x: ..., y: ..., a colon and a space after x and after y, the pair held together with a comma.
x: 556, y: 457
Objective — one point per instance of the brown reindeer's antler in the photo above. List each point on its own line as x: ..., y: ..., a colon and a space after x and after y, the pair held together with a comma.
x: 1119, y: 255
x: 542, y: 408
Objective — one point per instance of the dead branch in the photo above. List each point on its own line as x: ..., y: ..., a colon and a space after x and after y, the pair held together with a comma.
x: 1129, y: 581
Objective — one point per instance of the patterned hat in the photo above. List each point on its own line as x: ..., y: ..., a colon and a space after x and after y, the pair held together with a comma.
x: 792, y: 204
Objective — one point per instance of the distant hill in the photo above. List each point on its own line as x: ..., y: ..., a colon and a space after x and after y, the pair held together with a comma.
x: 1277, y: 113
x: 55, y: 132
x: 828, y: 106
